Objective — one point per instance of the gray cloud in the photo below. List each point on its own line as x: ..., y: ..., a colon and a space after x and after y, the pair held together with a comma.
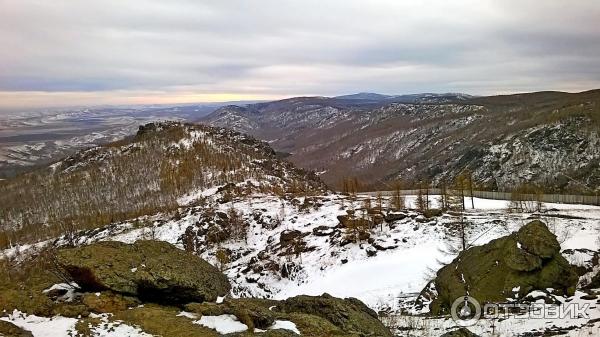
x: 280, y: 48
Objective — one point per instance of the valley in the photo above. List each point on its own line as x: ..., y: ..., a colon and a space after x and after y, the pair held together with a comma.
x: 548, y: 139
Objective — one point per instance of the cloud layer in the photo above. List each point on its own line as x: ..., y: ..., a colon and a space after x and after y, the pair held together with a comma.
x: 64, y: 52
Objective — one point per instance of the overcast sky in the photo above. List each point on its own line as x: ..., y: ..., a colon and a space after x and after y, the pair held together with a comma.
x: 67, y: 52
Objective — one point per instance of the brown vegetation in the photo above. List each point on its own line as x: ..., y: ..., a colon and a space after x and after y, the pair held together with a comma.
x: 142, y: 176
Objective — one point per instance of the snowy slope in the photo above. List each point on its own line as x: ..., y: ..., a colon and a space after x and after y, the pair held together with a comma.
x: 409, y: 249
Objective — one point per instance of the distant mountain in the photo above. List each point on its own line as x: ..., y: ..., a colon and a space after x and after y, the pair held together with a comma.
x: 546, y: 138
x: 431, y: 98
x: 412, y: 98
x: 365, y: 96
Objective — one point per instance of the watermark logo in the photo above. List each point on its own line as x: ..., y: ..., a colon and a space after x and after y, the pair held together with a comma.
x: 466, y: 311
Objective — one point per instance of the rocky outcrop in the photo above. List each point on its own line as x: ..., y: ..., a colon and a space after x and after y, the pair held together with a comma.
x: 350, y: 315
x: 508, y: 267
x: 290, y: 236
x: 462, y: 332
x: 313, y: 315
x: 150, y: 270
x: 149, y: 283
x: 269, y: 333
x: 595, y: 282
x: 108, y: 302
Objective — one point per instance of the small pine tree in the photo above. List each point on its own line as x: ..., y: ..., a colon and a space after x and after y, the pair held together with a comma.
x: 223, y: 258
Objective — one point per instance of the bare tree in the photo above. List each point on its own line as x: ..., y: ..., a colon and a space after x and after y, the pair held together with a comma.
x: 469, y: 181
x: 426, y: 183
x: 444, y: 196
x: 420, y: 202
x: 398, y: 198
x: 379, y: 202
x: 237, y: 225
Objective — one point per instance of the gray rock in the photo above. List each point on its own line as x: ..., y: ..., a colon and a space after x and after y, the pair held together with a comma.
x: 527, y: 260
x: 151, y: 270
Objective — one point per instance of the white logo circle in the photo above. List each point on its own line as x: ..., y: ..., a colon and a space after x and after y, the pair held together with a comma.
x: 462, y: 311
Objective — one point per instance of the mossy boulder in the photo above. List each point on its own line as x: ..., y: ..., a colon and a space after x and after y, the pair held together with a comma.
x: 314, y: 316
x: 72, y: 310
x: 595, y: 282
x: 163, y: 321
x: 268, y: 333
x: 536, y: 239
x: 8, y: 329
x: 462, y: 332
x: 150, y: 270
x: 31, y: 302
x: 316, y: 326
x: 108, y: 302
x: 350, y: 315
x: 207, y: 309
x: 508, y: 267
x: 255, y: 313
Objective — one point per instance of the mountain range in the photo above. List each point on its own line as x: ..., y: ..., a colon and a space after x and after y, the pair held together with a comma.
x: 549, y: 139
x: 96, y: 240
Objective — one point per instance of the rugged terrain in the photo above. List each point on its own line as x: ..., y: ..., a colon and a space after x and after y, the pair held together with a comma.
x: 545, y: 138
x: 35, y: 138
x: 297, y: 245
x: 188, y: 227
x: 160, y: 168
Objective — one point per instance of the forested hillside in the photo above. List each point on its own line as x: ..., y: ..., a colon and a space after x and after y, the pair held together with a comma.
x: 158, y: 169
x: 547, y: 139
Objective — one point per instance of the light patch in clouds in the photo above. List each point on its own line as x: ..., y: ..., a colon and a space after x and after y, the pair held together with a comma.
x: 62, y: 52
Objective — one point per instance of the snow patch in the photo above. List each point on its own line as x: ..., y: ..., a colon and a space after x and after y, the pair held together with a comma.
x: 42, y: 326
x: 285, y: 325
x: 223, y: 323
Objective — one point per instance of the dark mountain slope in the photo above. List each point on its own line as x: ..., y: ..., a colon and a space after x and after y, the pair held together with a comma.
x: 544, y: 138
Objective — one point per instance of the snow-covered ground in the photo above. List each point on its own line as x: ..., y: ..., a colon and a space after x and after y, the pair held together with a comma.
x: 530, y: 324
x: 65, y: 327
x: 385, y: 279
x: 42, y: 326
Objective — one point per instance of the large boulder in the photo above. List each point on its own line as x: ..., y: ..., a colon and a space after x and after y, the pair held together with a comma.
x: 108, y: 302
x: 150, y: 270
x: 595, y: 282
x: 268, y: 333
x: 289, y: 236
x: 508, y: 267
x: 313, y: 316
x: 164, y: 321
x: 350, y: 315
x: 461, y: 332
